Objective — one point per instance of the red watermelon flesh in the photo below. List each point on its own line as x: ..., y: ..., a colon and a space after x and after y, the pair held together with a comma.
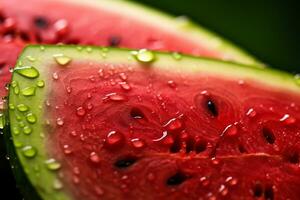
x: 127, y: 133
x: 95, y: 23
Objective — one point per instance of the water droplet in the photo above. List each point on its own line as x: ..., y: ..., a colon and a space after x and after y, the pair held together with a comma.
x: 251, y: 113
x: 61, y: 27
x: 40, y: 83
x: 297, y: 79
x: 80, y: 111
x: 28, y: 72
x: 57, y: 184
x: 2, y: 123
x: 167, y: 139
x: 28, y: 91
x: 230, y: 130
x: 123, y: 76
x: 18, y: 144
x: 29, y: 151
x: 67, y: 149
x: 183, y: 21
x: 174, y: 124
x: 27, y: 130
x: 137, y: 143
x: 144, y: 56
x: 59, y: 121
x: 204, y: 181
x: 11, y: 106
x: 15, y: 130
x: 73, y: 133
x: 55, y: 76
x: 177, y: 56
x: 76, y: 179
x: 215, y: 161
x: 125, y: 86
x: 31, y: 58
x: 223, y: 190
x: 89, y: 49
x: 52, y: 164
x: 89, y: 106
x: 22, y: 124
x: 94, y: 158
x: 114, y: 97
x: 114, y: 138
x: 14, y: 84
x: 101, y: 73
x: 22, y: 108
x: 76, y: 170
x: 79, y: 48
x: 61, y: 59
x: 31, y: 118
x: 287, y: 119
x: 232, y: 181
x: 16, y: 90
x: 171, y: 84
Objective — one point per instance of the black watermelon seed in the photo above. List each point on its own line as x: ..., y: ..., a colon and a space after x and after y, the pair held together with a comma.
x: 268, y: 135
x: 125, y: 162
x: 114, y: 41
x: 41, y: 22
x: 212, y: 108
x: 176, y: 179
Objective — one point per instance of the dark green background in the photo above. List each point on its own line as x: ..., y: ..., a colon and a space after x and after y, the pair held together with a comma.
x: 268, y: 29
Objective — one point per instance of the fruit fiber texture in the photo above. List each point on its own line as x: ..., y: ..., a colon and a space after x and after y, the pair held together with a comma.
x: 103, y: 22
x: 97, y: 123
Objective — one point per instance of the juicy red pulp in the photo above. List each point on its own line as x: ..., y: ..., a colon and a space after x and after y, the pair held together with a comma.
x: 52, y: 22
x: 171, y: 136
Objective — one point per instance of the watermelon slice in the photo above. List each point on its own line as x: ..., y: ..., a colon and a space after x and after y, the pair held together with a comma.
x: 101, y: 22
x: 102, y: 123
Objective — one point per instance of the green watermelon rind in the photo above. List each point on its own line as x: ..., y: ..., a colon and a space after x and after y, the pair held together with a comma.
x: 170, y: 23
x: 43, y: 183
x: 23, y: 183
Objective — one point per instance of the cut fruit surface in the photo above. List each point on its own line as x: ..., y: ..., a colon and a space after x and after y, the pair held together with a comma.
x: 101, y: 22
x: 92, y: 123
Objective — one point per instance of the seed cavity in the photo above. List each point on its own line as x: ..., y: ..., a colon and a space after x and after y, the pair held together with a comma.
x: 41, y: 22
x: 114, y: 41
x: 24, y: 36
x: 136, y: 113
x: 211, y: 107
x: 200, y: 146
x: 293, y: 157
x: 177, y: 179
x: 2, y: 65
x: 125, y: 162
x: 269, y: 193
x: 241, y: 148
x: 268, y: 135
x: 257, y: 190
x: 176, y: 146
x: 189, y: 145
